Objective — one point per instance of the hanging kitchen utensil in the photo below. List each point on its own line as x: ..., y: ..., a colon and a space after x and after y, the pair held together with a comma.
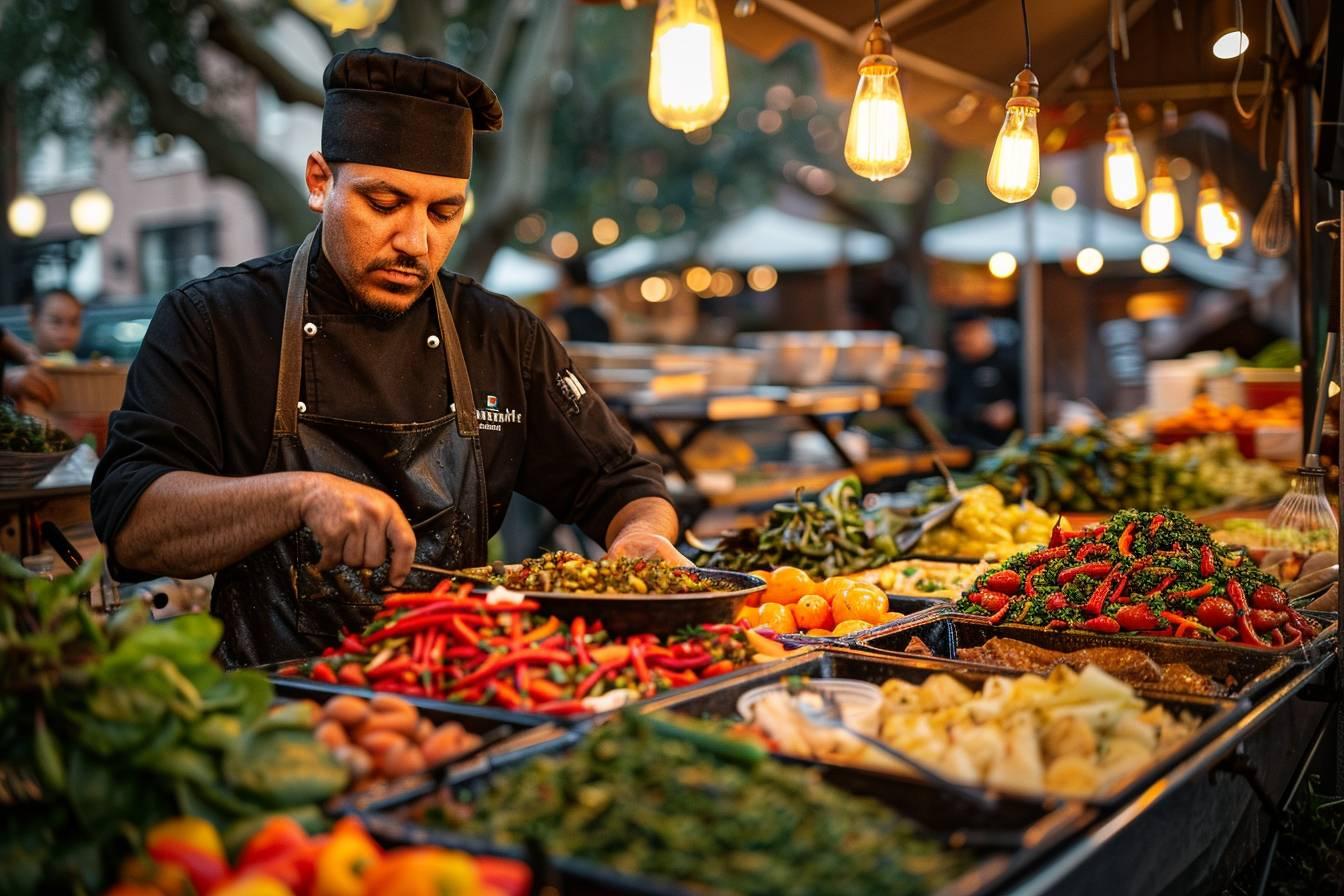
x: 1272, y: 232
x: 1305, y: 507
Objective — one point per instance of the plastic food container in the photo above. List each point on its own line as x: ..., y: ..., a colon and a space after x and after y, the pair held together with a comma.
x: 860, y: 701
x: 1266, y: 387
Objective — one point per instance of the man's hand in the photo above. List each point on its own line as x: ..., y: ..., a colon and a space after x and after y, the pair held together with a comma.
x: 30, y: 383
x: 354, y: 524
x: 648, y: 546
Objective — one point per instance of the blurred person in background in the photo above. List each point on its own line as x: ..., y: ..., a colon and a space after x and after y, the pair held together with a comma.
x: 983, y: 380
x: 25, y: 382
x: 583, y: 322
x: 56, y: 318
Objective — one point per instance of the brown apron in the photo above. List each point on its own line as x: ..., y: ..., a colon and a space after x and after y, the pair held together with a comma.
x: 274, y: 604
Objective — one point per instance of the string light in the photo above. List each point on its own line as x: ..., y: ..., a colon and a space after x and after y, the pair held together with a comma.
x: 606, y: 231
x: 1015, y: 165
x: 1002, y: 265
x: 1122, y: 171
x: 91, y: 211
x: 877, y: 141
x: 1212, y: 228
x: 1063, y: 197
x: 27, y: 215
x: 1155, y: 257
x: 1089, y: 261
x: 688, y: 70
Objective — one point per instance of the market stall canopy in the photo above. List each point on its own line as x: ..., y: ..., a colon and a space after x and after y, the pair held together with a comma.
x: 1060, y: 234
x: 639, y: 255
x: 766, y: 235
x: 513, y: 273
x: 957, y: 59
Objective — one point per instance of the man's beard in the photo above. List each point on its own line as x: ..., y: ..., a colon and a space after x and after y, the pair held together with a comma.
x: 377, y: 302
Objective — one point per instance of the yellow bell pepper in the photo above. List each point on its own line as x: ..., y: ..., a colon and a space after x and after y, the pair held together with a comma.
x: 194, y: 832
x: 345, y: 860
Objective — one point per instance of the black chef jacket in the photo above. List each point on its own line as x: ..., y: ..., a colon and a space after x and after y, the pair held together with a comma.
x: 200, y: 395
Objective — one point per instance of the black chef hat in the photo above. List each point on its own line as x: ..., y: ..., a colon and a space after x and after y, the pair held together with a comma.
x: 407, y: 112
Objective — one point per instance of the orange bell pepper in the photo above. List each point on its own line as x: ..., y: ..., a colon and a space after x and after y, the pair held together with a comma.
x: 345, y: 860
x: 424, y: 871
x: 194, y: 832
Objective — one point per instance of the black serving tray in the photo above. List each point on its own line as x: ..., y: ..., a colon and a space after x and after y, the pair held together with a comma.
x: 1217, y: 714
x: 1012, y: 837
x: 1244, y: 672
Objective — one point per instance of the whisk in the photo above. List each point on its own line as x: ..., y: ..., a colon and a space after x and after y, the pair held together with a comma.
x: 1305, y: 508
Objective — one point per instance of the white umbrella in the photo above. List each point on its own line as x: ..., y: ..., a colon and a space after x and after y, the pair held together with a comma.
x: 1060, y: 234
x: 639, y: 255
x: 766, y: 235
x: 513, y: 273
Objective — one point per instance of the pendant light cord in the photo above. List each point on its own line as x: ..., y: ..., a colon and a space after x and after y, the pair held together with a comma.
x: 1110, y: 55
x: 1026, y: 31
x: 877, y: 13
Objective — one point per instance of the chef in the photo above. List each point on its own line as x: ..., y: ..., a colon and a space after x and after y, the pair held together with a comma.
x: 311, y: 422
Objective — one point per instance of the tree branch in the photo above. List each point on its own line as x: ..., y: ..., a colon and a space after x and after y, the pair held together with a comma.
x: 228, y: 152
x: 231, y: 33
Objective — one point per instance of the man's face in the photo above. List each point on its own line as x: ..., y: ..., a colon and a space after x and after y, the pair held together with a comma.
x: 56, y: 326
x: 973, y: 340
x: 386, y: 231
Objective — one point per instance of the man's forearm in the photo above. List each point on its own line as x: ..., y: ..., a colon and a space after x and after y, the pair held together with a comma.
x: 189, y: 524
x: 645, y: 516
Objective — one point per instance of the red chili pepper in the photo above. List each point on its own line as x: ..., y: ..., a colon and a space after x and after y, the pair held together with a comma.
x: 506, y: 696
x: 1309, y: 628
x: 1205, y: 561
x: 721, y: 628
x: 993, y: 601
x: 1091, y: 570
x: 680, y: 679
x: 1104, y: 624
x: 1155, y: 524
x: 1030, y: 584
x: 462, y: 632
x: 391, y: 668
x: 587, y: 684
x: 1127, y: 541
x: 1201, y: 591
x: 352, y: 644
x: 578, y: 630
x: 1296, y: 635
x: 1090, y: 550
x: 404, y: 627
x: 1040, y: 558
x: 1227, y: 633
x: 418, y: 647
x: 461, y: 652
x: 1276, y: 638
x: 493, y: 665
x: 323, y: 673
x: 562, y: 708
x: 1185, y: 623
x: 1097, y: 601
x: 1056, y: 624
x: 998, y: 616
x: 722, y: 667
x: 290, y: 671
x: 1056, y: 602
x: 1162, y: 586
x: 543, y: 690
x: 1244, y: 627
x: 1056, y: 538
x: 1269, y: 597
x: 637, y: 660
x: 680, y: 663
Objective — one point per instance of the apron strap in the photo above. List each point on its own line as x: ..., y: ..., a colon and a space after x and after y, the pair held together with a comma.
x: 291, y: 345
x: 458, y: 376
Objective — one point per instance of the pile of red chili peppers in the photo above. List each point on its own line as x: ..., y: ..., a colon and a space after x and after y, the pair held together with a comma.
x: 1144, y: 573
x: 453, y: 645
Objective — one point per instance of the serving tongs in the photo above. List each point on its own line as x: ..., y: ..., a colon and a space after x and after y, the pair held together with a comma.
x: 459, y: 575
x: 828, y: 715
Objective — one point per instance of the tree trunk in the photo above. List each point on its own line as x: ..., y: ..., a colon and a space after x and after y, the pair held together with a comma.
x: 512, y: 166
x: 228, y: 153
x: 422, y: 25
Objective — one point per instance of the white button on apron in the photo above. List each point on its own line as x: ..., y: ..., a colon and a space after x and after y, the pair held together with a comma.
x: 303, y: 408
x: 310, y: 329
x: 432, y: 341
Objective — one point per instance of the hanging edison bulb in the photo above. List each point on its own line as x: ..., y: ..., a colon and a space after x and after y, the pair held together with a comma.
x: 1211, y: 224
x: 877, y: 144
x: 347, y: 15
x: 688, y: 71
x: 1162, y: 221
x: 1232, y: 214
x: 1015, y: 167
x: 1123, y: 170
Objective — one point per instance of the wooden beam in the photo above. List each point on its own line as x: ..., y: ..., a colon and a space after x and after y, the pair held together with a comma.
x: 837, y: 34
x: 1094, y: 56
x: 1161, y: 92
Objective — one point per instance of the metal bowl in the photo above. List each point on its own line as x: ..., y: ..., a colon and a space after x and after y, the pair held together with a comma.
x: 658, y: 614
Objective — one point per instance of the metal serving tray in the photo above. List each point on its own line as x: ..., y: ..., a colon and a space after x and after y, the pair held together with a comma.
x: 1243, y: 672
x: 1217, y: 714
x: 1017, y: 834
